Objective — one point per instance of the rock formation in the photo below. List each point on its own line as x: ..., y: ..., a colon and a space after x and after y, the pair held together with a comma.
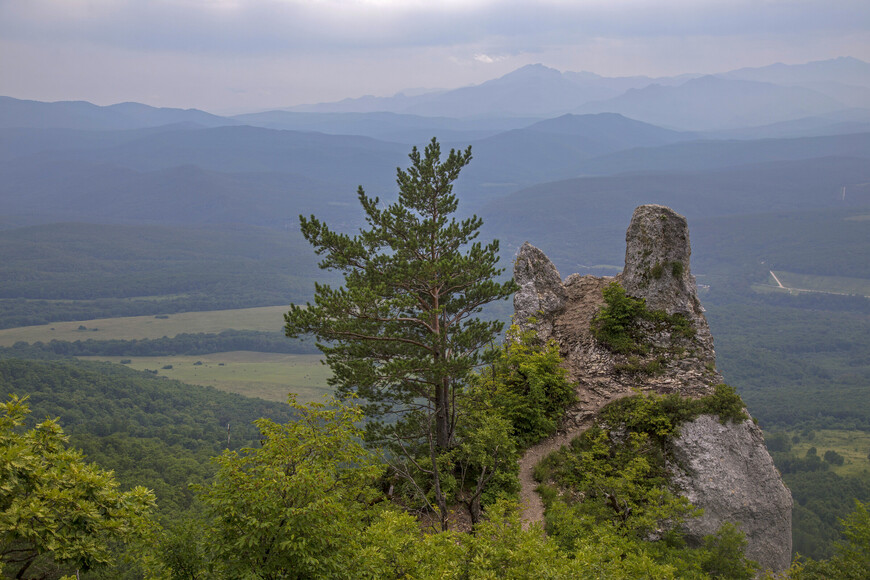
x: 724, y: 469
x: 727, y: 470
x: 657, y: 240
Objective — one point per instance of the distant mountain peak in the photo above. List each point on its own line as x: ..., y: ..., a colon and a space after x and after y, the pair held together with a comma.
x: 530, y: 71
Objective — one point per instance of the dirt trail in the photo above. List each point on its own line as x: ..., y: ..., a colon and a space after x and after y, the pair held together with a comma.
x: 530, y: 500
x: 533, y: 507
x: 776, y: 279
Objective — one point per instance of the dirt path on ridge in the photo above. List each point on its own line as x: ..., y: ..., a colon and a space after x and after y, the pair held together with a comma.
x: 530, y: 500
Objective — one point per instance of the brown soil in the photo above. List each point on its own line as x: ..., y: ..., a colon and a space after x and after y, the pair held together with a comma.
x: 530, y: 500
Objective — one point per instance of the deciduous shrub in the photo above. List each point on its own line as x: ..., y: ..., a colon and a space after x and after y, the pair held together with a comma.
x: 528, y: 385
x: 624, y: 323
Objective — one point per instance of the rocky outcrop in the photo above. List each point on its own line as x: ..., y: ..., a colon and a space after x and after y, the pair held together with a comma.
x: 563, y: 311
x: 727, y: 470
x: 541, y: 295
x: 657, y: 269
x: 657, y: 253
x: 724, y: 469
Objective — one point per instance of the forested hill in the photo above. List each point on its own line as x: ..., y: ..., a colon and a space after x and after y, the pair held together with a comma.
x: 152, y: 431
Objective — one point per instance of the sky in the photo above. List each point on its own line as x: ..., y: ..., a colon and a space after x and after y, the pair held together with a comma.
x: 232, y: 56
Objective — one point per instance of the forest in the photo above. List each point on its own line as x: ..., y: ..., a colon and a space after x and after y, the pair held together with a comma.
x: 422, y: 448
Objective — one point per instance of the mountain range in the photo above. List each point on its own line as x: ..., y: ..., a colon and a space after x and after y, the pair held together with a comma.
x: 725, y: 101
x: 130, y: 163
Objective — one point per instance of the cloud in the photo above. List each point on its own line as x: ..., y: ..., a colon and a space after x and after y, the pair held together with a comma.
x: 201, y: 52
x: 275, y: 26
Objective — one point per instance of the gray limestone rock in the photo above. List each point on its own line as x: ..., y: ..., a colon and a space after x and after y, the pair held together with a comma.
x: 541, y: 294
x: 657, y: 253
x: 658, y: 268
x: 564, y: 311
x: 727, y: 471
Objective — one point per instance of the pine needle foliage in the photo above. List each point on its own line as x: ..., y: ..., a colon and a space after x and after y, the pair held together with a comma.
x: 402, y: 333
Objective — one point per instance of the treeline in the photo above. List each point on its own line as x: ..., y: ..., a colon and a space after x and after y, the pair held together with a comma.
x: 181, y: 344
x: 821, y: 497
x: 152, y: 431
x: 825, y: 242
x: 67, y: 272
x: 795, y: 368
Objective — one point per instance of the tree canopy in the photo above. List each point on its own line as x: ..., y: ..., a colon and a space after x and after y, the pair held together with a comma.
x: 402, y: 333
x: 56, y: 510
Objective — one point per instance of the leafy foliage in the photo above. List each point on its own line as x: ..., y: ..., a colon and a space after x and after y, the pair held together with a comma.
x: 151, y: 431
x: 294, y: 507
x: 616, y: 471
x: 725, y: 557
x: 56, y: 510
x: 661, y: 415
x: 482, y: 467
x: 615, y: 325
x: 619, y: 484
x: 619, y: 325
x: 510, y: 404
x: 528, y: 385
x: 611, y: 484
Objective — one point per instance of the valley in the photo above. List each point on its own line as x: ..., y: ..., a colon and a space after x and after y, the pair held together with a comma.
x: 266, y: 319
x: 147, y: 256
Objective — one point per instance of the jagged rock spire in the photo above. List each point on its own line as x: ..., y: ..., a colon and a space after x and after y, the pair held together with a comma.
x: 541, y: 295
x: 724, y: 469
x: 657, y: 268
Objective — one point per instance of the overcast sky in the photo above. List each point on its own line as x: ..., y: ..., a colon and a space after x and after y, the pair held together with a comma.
x: 242, y: 55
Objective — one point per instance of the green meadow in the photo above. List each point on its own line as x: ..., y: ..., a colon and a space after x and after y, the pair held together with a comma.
x: 267, y: 376
x: 854, y: 446
x: 833, y: 284
x: 268, y: 318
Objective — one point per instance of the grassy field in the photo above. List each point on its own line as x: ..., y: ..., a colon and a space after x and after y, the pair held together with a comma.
x: 853, y: 445
x: 833, y: 284
x: 253, y: 374
x: 269, y: 318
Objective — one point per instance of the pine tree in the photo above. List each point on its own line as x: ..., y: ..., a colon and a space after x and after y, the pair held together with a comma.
x: 402, y: 333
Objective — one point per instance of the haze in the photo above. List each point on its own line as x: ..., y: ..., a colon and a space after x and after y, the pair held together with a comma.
x: 230, y: 56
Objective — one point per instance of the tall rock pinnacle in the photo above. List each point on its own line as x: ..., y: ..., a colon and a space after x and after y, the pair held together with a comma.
x: 723, y: 468
x: 657, y: 253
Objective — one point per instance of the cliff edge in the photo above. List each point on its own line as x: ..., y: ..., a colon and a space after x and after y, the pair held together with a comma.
x: 723, y: 468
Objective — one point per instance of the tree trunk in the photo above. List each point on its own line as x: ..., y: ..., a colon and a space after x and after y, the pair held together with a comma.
x: 474, y: 510
x: 442, y: 416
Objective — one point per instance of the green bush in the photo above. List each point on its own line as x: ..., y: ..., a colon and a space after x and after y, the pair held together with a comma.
x: 724, y: 554
x: 724, y: 402
x: 527, y: 383
x: 661, y: 415
x: 619, y: 325
x: 834, y: 458
x: 615, y: 325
